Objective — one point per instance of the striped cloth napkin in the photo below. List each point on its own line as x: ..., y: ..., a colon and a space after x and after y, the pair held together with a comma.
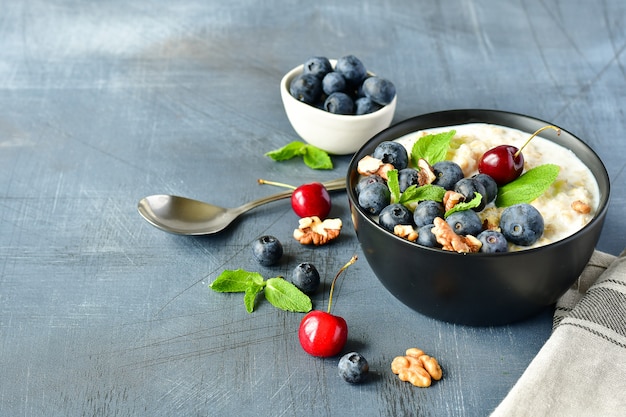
x: 581, y: 369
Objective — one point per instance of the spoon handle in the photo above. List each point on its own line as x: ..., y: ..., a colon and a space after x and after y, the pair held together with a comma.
x: 333, y: 185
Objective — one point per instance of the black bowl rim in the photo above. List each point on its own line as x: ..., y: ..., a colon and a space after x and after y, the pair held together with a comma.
x: 472, y: 116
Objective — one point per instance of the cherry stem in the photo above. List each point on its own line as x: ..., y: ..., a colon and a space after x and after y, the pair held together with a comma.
x: 332, y: 285
x: 558, y: 132
x: 277, y: 184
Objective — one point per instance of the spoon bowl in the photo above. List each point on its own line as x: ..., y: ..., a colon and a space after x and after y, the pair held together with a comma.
x: 186, y: 216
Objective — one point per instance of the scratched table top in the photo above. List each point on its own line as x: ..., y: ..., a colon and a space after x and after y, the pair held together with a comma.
x: 103, y: 103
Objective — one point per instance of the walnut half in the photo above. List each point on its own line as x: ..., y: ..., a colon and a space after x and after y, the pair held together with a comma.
x: 449, y: 240
x: 313, y: 231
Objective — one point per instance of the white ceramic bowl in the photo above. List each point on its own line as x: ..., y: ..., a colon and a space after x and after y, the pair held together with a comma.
x: 335, y: 133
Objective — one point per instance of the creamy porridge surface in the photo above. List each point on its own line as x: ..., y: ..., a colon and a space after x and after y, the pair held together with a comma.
x: 574, y: 182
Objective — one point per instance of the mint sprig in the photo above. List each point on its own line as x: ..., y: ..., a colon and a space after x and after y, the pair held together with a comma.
x: 313, y: 157
x: 528, y: 186
x: 413, y: 193
x: 432, y: 148
x: 279, y: 292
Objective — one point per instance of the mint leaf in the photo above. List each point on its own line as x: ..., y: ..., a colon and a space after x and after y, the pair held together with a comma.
x: 286, y: 296
x: 312, y: 156
x: 415, y: 194
x: 237, y: 280
x: 466, y: 205
x: 433, y: 148
x: 279, y: 292
x: 393, y: 184
x: 290, y: 150
x: 249, y: 297
x: 528, y: 186
x: 316, y: 158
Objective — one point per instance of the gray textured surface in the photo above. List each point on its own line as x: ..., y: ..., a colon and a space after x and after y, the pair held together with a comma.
x: 102, y: 103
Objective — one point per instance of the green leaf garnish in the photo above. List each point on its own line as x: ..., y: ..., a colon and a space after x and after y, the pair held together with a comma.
x: 415, y: 194
x: 432, y: 148
x: 465, y: 205
x: 249, y: 297
x: 313, y: 157
x: 237, y: 280
x: 279, y: 292
x: 528, y: 186
x: 286, y: 296
x: 394, y: 185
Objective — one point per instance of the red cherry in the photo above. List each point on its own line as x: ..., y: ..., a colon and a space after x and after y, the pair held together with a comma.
x: 307, y: 200
x: 503, y: 163
x: 311, y: 200
x: 322, y: 334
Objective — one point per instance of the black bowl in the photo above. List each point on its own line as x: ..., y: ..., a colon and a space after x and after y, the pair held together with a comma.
x: 477, y: 289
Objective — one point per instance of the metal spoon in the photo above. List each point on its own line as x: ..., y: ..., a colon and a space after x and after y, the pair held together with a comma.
x: 184, y: 216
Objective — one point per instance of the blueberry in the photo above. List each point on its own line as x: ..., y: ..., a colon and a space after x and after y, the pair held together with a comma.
x: 521, y: 224
x: 333, y: 82
x: 426, y: 211
x: 267, y: 250
x: 447, y: 174
x: 365, y: 105
x: 352, y: 69
x: 339, y: 103
x: 363, y: 182
x: 468, y: 187
x: 374, y: 197
x: 394, y: 214
x: 491, y: 187
x: 393, y: 153
x: 407, y: 177
x: 493, y: 241
x: 353, y: 368
x: 306, y: 88
x: 426, y: 237
x: 306, y: 277
x: 380, y: 90
x: 465, y: 222
x: 318, y: 66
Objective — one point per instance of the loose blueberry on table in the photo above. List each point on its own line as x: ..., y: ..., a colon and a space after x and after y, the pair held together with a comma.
x: 353, y: 368
x: 267, y: 250
x: 306, y: 277
x: 321, y: 333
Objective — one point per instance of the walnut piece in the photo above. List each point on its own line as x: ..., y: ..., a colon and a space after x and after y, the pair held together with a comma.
x: 311, y: 230
x: 450, y: 241
x: 405, y: 231
x: 417, y: 368
x: 581, y: 207
x: 368, y: 165
x: 426, y: 174
x: 451, y: 199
